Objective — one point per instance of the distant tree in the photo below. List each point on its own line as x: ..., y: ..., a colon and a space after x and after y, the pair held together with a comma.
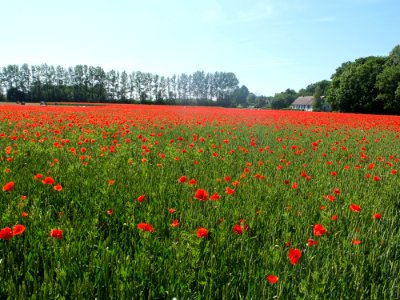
x: 162, y: 89
x: 251, y: 99
x: 25, y: 80
x: 10, y: 77
x: 225, y: 84
x: 138, y: 83
x: 172, y: 89
x: 98, y: 88
x: 388, y: 83
x: 310, y: 89
x: 14, y: 94
x: 317, y: 106
x: 240, y: 96
x: 261, y: 101
x: 123, y: 86
x: 147, y: 86
x: 183, y: 88
x: 2, y: 97
x: 88, y: 83
x: 353, y: 87
x: 283, y: 99
x: 112, y: 85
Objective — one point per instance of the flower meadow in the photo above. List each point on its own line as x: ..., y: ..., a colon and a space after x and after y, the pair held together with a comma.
x: 150, y: 202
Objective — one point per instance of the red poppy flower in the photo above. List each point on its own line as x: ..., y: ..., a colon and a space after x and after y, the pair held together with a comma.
x: 8, y: 186
x: 333, y: 173
x: 377, y: 216
x: 182, y: 179
x: 294, y: 255
x: 330, y: 198
x: 145, y: 227
x: 227, y: 178
x: 294, y: 186
x: 192, y: 181
x: 336, y: 191
x: 109, y: 212
x: 356, y: 242
x: 175, y: 223
x: 6, y: 233
x: 393, y: 172
x: 58, y: 187
x: 38, y: 176
x: 172, y: 210
x: 319, y: 230
x: 56, y: 233
x: 215, y: 196
x: 237, y: 229
x: 311, y: 242
x: 236, y: 183
x: 229, y: 191
x: 201, y: 194
x: 377, y: 178
x: 48, y: 180
x: 334, y: 218
x: 355, y: 208
x: 202, y: 232
x: 24, y: 214
x: 272, y: 279
x: 18, y: 229
x: 141, y: 198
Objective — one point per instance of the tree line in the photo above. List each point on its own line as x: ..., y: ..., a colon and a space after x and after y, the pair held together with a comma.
x: 84, y: 83
x: 367, y: 85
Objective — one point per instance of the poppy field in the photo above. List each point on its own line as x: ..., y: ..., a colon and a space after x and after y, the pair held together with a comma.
x: 158, y: 202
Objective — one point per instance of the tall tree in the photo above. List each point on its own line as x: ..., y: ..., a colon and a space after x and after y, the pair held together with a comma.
x: 225, y: 84
x: 123, y: 86
x: 283, y: 99
x: 388, y: 83
x: 353, y: 87
x: 240, y: 96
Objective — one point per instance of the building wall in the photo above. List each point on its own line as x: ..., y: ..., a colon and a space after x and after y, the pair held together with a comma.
x: 302, y: 107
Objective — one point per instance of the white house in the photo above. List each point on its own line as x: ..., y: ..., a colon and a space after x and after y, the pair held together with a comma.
x: 306, y: 103
x: 303, y: 103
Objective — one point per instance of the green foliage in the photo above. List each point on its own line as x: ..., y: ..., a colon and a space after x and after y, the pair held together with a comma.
x: 368, y: 85
x: 353, y: 87
x: 83, y: 83
x: 320, y: 87
x: 251, y: 99
x: 388, y: 83
x: 283, y: 99
x: 240, y: 96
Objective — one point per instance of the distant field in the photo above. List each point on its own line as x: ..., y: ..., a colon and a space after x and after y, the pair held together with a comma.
x: 160, y: 202
x: 56, y: 103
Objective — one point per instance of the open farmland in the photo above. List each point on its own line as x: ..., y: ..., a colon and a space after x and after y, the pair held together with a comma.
x: 130, y: 201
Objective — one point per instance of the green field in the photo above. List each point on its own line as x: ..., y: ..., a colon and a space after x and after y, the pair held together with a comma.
x: 145, y: 202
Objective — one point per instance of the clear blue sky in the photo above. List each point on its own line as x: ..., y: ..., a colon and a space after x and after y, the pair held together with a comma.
x: 270, y: 45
